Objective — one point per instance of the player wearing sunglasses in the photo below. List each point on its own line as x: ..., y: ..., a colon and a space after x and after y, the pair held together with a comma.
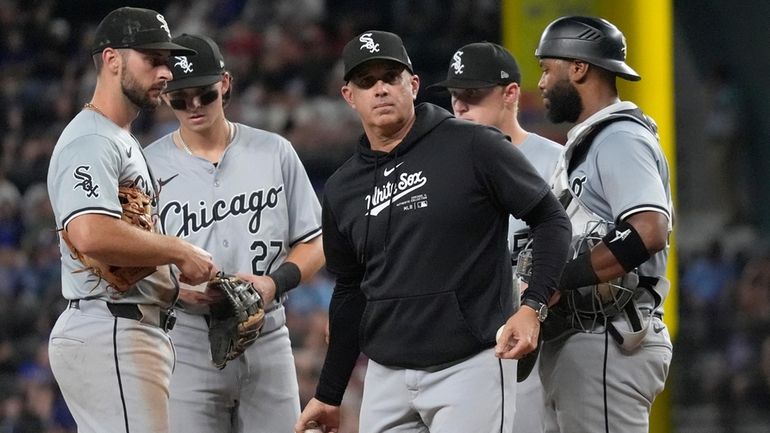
x: 243, y: 193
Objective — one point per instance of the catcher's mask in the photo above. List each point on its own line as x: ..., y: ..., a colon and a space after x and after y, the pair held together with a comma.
x: 589, y: 307
x: 592, y: 306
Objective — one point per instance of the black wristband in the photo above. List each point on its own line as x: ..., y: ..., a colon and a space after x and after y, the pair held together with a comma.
x: 627, y: 246
x: 286, y: 277
x: 578, y: 272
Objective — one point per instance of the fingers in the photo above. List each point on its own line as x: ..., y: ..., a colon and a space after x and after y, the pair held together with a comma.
x: 307, y: 415
x: 518, y: 337
x: 197, y: 267
x: 515, y: 351
x: 508, y: 346
x: 320, y: 413
x: 301, y: 425
x: 264, y: 285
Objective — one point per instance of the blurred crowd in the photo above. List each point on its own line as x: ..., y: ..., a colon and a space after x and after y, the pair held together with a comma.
x: 284, y: 55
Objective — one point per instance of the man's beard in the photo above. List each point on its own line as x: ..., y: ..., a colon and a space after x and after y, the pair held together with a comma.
x: 136, y: 94
x: 564, y: 103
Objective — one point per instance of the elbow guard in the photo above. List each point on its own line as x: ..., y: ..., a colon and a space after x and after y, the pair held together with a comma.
x: 627, y: 246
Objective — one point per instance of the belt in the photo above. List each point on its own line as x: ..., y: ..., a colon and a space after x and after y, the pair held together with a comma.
x: 149, y: 314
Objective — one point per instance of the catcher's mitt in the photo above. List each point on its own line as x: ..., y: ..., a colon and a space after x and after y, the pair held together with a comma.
x: 137, y: 212
x: 236, y: 321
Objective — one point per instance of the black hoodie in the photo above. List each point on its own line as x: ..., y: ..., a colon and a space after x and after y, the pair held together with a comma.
x: 417, y: 241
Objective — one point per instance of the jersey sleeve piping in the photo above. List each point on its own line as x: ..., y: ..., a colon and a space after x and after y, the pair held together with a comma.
x: 643, y: 208
x: 306, y: 237
x: 87, y: 210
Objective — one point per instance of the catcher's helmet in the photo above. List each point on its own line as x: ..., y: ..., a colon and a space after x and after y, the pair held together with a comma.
x: 592, y: 40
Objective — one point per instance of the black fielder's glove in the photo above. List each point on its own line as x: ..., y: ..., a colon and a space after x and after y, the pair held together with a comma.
x: 236, y: 321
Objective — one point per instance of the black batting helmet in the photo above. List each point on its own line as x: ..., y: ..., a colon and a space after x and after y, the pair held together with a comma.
x: 592, y: 40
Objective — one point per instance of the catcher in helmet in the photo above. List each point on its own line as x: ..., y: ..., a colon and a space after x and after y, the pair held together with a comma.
x: 606, y: 352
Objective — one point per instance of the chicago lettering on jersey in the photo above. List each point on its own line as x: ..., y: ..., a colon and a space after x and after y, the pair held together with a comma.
x: 196, y: 220
x: 143, y: 184
x: 383, y: 195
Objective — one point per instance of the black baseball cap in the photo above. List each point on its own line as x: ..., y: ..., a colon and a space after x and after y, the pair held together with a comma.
x: 129, y: 27
x: 199, y: 70
x: 481, y: 64
x: 372, y: 45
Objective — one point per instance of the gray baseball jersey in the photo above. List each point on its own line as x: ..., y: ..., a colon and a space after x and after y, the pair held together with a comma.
x: 92, y: 157
x: 612, y: 187
x: 624, y: 172
x: 113, y: 371
x: 248, y: 211
x: 544, y: 155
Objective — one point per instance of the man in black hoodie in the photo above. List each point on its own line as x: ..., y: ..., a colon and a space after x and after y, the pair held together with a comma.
x: 415, y: 227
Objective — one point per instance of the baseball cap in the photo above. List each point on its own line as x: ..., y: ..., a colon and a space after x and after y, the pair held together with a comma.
x: 199, y: 70
x: 129, y: 27
x: 372, y: 45
x: 481, y: 64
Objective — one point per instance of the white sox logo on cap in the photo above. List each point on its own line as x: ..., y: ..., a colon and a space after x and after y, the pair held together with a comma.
x: 369, y: 43
x: 183, y: 63
x: 164, y: 24
x: 457, y: 62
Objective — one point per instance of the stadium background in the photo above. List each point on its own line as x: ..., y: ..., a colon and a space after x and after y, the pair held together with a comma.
x: 698, y: 75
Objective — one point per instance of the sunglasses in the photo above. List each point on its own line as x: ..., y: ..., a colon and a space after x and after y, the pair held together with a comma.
x: 205, y: 98
x: 366, y: 81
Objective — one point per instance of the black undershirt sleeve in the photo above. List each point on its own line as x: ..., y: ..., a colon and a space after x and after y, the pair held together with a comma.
x: 345, y: 312
x: 551, y: 233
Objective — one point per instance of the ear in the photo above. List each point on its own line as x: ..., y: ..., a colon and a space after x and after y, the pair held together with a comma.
x: 227, y: 81
x: 578, y: 70
x: 347, y: 95
x: 414, y: 81
x: 511, y: 93
x: 112, y: 60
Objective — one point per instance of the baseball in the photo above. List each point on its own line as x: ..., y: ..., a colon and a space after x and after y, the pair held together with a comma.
x: 499, y: 333
x: 313, y: 427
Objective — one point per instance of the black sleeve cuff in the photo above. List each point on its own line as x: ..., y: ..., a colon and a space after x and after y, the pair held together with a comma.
x: 345, y: 312
x: 286, y: 277
x: 551, y: 234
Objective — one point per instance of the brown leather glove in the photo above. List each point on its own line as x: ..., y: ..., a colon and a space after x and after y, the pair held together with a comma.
x: 137, y: 212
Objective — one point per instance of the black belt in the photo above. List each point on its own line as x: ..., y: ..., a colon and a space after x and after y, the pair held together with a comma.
x: 165, y: 320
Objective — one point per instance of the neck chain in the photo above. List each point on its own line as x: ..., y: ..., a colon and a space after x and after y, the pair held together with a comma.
x: 186, y: 148
x: 91, y: 106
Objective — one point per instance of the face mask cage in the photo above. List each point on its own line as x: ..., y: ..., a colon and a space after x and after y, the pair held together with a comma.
x: 589, y: 307
x: 593, y: 306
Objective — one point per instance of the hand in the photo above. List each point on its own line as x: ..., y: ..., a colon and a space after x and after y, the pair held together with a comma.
x: 520, y: 335
x: 207, y: 297
x: 264, y: 285
x: 197, y: 266
x: 326, y: 415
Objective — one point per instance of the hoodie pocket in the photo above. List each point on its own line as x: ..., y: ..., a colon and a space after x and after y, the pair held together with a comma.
x: 417, y: 332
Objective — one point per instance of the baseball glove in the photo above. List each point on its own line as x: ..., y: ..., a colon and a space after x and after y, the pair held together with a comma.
x: 236, y: 321
x: 137, y: 212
